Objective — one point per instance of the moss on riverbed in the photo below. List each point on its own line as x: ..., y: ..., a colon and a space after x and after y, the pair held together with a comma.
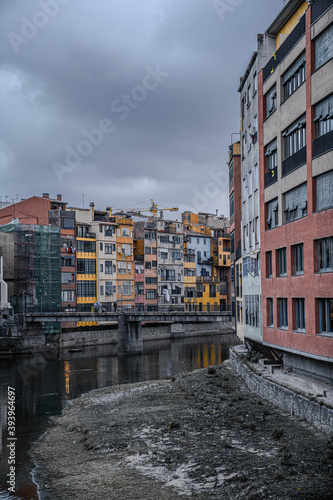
x: 201, y: 436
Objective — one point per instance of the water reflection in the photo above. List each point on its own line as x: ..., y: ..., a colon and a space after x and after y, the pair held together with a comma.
x: 44, y: 383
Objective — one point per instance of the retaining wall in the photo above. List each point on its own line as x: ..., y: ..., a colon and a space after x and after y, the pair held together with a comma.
x: 318, y: 414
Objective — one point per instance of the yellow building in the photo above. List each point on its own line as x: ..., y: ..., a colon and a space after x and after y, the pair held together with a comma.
x: 125, y: 262
x: 86, y: 273
x: 190, y: 278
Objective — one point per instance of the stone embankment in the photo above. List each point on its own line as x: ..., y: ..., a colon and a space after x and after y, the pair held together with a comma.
x: 202, y: 435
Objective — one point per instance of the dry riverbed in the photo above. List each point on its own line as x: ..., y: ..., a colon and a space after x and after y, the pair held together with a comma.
x: 201, y: 436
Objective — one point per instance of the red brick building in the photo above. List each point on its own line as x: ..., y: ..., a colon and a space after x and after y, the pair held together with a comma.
x: 296, y: 188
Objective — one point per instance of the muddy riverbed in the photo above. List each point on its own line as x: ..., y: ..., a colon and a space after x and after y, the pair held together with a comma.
x: 201, y: 435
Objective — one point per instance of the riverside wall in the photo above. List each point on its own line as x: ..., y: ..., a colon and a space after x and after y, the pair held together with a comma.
x: 315, y: 412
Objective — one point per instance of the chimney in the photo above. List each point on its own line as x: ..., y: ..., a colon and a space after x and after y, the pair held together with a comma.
x: 217, y: 212
x: 59, y: 197
x: 46, y: 195
x: 92, y: 210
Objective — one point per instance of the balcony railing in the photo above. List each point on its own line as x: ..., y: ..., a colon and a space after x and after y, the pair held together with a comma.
x: 323, y: 144
x: 285, y: 48
x: 294, y: 161
x: 318, y: 8
x: 271, y: 176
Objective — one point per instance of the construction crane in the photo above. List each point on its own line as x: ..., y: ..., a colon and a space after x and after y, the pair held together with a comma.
x: 153, y: 209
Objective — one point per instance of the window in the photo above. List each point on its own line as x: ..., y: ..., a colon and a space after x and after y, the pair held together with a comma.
x: 101, y: 288
x: 164, y: 255
x: 100, y: 229
x: 248, y: 95
x: 101, y: 268
x: 231, y: 172
x: 295, y: 137
x: 294, y: 77
x: 270, y: 318
x: 324, y: 191
x: 325, y: 255
x: 108, y: 267
x: 324, y: 117
x: 67, y: 295
x: 150, y: 294
x: 86, y: 246
x: 271, y: 101
x: 127, y: 288
x: 67, y: 223
x: 325, y: 307
x: 138, y: 268
x: 147, y: 265
x: 101, y: 247
x: 212, y: 290
x: 271, y: 155
x: 125, y: 232
x: 67, y: 261
x: 297, y: 257
x: 86, y: 266
x: 109, y: 247
x: 164, y: 239
x: 86, y: 288
x: 154, y: 263
x: 122, y: 268
x: 281, y: 254
x: 108, y: 288
x: 176, y: 255
x: 295, y: 203
x: 251, y: 304
x: 272, y: 214
x: 324, y: 48
x: 299, y: 311
x: 269, y: 267
x: 256, y: 229
x: 168, y: 275
x: 154, y: 250
x: 151, y: 281
x: 232, y: 242
x: 147, y: 250
x: 282, y: 313
x: 109, y: 231
x: 255, y: 84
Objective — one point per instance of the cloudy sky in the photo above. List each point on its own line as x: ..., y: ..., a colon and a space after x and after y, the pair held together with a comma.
x: 123, y: 100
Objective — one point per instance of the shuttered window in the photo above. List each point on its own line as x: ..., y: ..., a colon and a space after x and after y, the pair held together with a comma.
x: 272, y: 214
x: 271, y: 101
x: 324, y: 117
x: 324, y: 191
x: 295, y: 137
x: 324, y: 48
x: 294, y: 77
x: 295, y: 203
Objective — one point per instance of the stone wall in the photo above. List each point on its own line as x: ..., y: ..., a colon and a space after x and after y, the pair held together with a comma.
x: 319, y: 415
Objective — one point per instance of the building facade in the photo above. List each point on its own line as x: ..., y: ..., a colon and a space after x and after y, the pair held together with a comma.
x: 247, y: 271
x: 295, y: 99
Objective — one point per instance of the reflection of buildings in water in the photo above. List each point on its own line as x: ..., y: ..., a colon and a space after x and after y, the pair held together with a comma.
x: 67, y: 374
x: 209, y: 354
x: 130, y: 368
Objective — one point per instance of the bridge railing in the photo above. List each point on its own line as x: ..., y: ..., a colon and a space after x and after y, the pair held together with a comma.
x: 137, y: 308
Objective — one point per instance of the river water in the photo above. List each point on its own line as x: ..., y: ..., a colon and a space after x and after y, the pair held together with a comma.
x: 43, y: 383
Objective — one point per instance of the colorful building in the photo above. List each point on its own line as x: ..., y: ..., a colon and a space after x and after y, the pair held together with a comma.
x: 295, y: 97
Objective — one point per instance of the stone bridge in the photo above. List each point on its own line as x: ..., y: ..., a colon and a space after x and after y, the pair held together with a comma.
x: 130, y: 323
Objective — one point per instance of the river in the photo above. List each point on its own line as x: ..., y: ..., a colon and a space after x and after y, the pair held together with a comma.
x: 43, y: 383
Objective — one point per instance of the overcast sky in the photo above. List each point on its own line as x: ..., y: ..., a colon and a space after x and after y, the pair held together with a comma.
x: 123, y: 100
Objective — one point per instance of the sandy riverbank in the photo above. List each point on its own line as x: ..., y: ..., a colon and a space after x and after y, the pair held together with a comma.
x: 201, y: 436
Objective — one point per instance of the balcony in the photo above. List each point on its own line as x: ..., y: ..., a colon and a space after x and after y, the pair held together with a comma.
x: 271, y: 176
x: 294, y: 161
x: 285, y: 48
x: 323, y: 144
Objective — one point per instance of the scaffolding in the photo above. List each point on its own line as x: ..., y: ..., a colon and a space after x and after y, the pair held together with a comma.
x: 37, y: 267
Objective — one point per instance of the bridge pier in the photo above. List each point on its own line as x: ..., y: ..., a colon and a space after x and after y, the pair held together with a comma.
x: 129, y: 336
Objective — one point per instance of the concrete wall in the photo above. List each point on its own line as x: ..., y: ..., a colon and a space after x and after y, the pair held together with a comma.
x: 320, y: 416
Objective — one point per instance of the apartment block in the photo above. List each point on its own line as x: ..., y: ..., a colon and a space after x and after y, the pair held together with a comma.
x: 235, y: 210
x: 125, y: 262
x: 170, y: 262
x: 295, y: 125
x: 247, y: 271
